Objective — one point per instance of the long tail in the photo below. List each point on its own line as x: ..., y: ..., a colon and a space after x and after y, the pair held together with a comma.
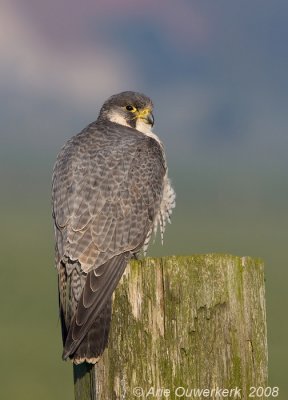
x: 88, y: 331
x: 95, y: 341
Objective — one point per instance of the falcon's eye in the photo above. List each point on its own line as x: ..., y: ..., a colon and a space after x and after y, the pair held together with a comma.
x: 130, y: 108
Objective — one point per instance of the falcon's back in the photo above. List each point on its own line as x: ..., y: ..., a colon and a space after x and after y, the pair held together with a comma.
x: 110, y: 190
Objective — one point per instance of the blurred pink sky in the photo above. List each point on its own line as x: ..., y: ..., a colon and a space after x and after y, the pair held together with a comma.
x: 66, y: 20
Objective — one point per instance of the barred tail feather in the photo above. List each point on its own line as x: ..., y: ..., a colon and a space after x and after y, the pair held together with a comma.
x: 96, y: 339
x: 88, y: 331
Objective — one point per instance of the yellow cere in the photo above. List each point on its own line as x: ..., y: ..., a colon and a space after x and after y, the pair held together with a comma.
x: 143, y: 113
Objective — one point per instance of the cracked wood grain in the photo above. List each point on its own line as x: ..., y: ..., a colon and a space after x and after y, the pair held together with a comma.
x: 195, y: 322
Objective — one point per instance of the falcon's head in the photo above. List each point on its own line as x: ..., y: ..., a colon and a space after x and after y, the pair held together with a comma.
x: 130, y: 109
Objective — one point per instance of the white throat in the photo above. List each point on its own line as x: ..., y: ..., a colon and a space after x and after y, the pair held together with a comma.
x: 141, y: 126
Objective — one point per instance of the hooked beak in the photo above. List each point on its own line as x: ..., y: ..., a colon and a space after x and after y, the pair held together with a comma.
x: 150, y: 118
x: 147, y: 116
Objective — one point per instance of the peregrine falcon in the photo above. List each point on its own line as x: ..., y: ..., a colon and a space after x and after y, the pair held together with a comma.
x: 110, y: 192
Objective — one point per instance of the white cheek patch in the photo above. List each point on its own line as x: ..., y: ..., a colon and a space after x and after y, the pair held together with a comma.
x: 117, y: 118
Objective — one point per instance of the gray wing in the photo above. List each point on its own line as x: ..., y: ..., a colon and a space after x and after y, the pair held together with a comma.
x: 107, y: 190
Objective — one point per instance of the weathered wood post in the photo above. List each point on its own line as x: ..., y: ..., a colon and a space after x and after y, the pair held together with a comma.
x: 183, y: 323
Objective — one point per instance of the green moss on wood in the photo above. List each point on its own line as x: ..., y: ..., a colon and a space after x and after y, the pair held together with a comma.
x: 196, y: 322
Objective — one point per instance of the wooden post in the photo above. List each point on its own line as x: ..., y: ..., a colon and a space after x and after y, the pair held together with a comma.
x: 84, y: 381
x: 184, y: 323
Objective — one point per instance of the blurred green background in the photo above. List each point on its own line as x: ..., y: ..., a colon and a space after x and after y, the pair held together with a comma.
x: 217, y: 72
